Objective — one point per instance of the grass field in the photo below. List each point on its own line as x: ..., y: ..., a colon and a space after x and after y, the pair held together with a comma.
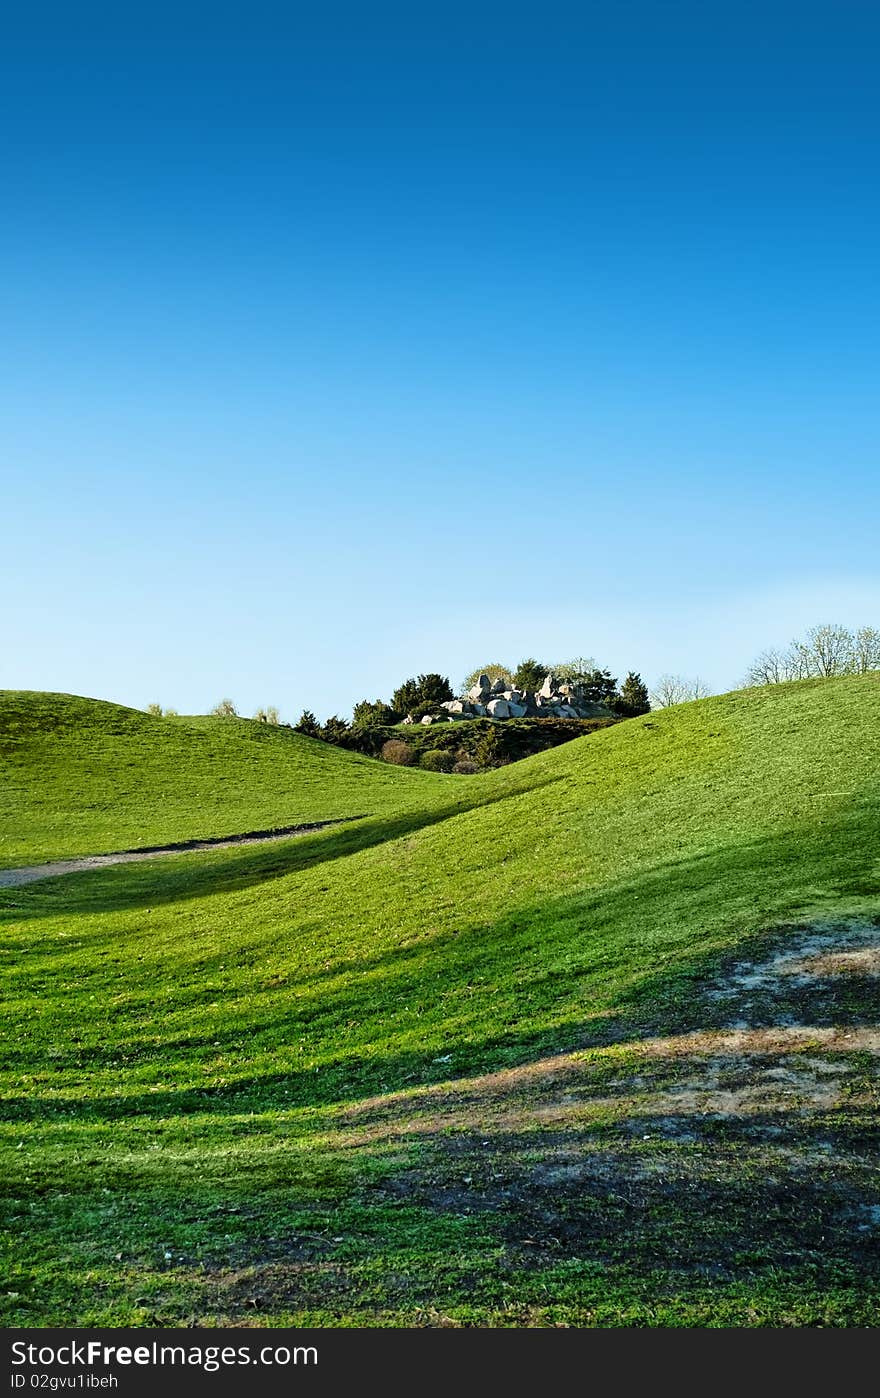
x: 81, y: 776
x: 589, y: 1040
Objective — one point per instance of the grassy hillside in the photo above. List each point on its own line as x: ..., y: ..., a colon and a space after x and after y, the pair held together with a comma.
x: 422, y: 1069
x: 80, y: 776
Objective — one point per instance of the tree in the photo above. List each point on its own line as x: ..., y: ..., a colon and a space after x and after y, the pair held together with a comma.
x: 825, y: 651
x: 335, y: 729
x: 866, y: 650
x: 427, y: 689
x: 267, y: 715
x: 530, y: 675
x: 494, y: 672
x: 676, y: 689
x: 372, y: 715
x: 225, y: 709
x: 597, y: 686
x: 154, y: 710
x: 308, y: 725
x: 574, y: 671
x: 770, y: 667
x: 633, y: 698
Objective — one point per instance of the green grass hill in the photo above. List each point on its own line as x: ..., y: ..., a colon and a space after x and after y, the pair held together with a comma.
x: 81, y: 776
x: 470, y: 1059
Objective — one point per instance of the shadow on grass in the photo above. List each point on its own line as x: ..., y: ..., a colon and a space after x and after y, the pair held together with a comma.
x: 608, y: 1227
x: 176, y: 878
x: 631, y: 962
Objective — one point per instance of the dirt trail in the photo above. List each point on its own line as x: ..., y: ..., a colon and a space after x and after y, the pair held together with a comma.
x: 14, y: 878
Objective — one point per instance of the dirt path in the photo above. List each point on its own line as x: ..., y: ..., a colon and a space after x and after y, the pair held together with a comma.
x: 14, y: 878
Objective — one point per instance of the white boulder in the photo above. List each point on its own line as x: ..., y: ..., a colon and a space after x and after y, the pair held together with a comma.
x: 498, y: 708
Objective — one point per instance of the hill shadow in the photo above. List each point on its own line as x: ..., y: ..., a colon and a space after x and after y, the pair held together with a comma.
x: 178, y: 877
x: 566, y: 993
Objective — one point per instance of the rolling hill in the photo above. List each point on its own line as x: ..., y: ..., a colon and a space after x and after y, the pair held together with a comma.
x: 589, y: 1040
x: 82, y: 776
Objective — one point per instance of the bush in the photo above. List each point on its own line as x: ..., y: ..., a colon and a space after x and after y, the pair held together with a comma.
x: 436, y: 760
x: 465, y: 767
x: 225, y: 709
x: 398, y: 752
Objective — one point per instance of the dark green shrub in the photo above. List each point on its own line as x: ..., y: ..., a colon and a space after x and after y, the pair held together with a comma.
x: 429, y: 707
x: 335, y: 730
x: 530, y: 675
x: 427, y: 689
x: 489, y: 747
x: 399, y: 752
x: 373, y: 715
x: 436, y: 760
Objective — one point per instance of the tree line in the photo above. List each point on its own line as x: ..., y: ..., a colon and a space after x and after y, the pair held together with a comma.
x: 823, y: 652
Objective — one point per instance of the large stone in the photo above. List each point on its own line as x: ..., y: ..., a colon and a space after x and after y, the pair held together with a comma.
x: 500, y: 685
x: 517, y: 710
x: 481, y: 690
x: 498, y: 708
x: 478, y: 710
x: 548, y: 687
x: 455, y: 706
x: 428, y: 718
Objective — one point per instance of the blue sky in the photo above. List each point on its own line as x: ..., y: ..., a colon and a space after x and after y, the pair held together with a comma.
x: 341, y: 343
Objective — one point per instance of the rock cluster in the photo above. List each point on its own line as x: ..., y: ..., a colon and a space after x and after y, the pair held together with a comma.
x: 555, y: 699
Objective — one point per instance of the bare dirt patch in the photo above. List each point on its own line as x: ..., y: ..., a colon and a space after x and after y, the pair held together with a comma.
x: 748, y: 1144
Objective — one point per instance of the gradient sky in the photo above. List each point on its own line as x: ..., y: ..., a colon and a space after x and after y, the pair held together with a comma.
x: 344, y: 342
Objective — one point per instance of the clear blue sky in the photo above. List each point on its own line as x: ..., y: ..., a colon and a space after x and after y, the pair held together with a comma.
x: 344, y: 342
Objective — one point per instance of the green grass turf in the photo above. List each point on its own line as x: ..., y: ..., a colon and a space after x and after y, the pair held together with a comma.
x: 80, y: 776
x: 187, y: 1039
